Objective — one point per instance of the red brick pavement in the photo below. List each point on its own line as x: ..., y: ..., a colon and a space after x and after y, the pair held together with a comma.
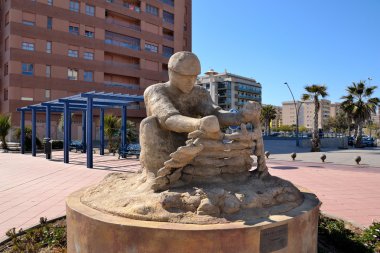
x: 32, y: 187
x: 348, y: 192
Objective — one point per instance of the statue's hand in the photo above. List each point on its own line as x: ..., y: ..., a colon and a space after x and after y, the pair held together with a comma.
x: 209, y: 124
x: 251, y: 111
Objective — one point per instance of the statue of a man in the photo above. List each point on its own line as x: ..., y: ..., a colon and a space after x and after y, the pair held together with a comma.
x: 178, y: 108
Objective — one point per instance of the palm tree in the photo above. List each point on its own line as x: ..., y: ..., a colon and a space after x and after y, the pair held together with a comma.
x: 132, y: 135
x: 112, y: 126
x: 268, y: 113
x: 359, y: 104
x: 5, y: 126
x: 313, y: 93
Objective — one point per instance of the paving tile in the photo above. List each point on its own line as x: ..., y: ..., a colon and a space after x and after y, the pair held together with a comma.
x: 31, y: 187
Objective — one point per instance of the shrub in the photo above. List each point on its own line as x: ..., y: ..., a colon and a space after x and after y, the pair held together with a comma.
x: 28, y: 138
x: 5, y: 126
x: 45, y: 235
x: 57, y: 144
x: 371, y: 237
x: 336, y: 234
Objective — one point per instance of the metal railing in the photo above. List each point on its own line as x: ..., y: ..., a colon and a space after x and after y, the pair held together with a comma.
x: 126, y: 25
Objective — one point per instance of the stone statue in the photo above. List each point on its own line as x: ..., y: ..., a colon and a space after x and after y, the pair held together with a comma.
x: 192, y: 172
x: 181, y: 137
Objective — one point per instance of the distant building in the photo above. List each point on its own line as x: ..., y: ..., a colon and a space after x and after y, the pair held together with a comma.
x: 277, y: 122
x: 306, y: 113
x: 375, y: 117
x: 334, y: 109
x: 289, y: 113
x: 230, y: 91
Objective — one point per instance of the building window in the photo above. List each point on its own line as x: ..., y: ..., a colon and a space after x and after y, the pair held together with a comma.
x: 47, y: 93
x: 49, y: 23
x: 6, y: 43
x: 90, y: 10
x: 27, y: 46
x: 5, y: 95
x: 121, y: 40
x: 167, y: 51
x: 50, y: 2
x: 151, y: 9
x: 73, y: 53
x: 74, y: 29
x: 74, y: 6
x: 168, y: 17
x: 7, y: 18
x: 169, y: 2
x: 72, y: 74
x: 48, y: 71
x: 27, y: 69
x: 28, y: 23
x: 5, y: 69
x: 109, y: 1
x: 48, y: 47
x: 88, y: 76
x: 88, y: 55
x: 151, y: 48
x: 89, y: 32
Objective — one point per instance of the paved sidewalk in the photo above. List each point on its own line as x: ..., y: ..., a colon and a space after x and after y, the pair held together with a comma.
x: 32, y: 187
x: 280, y: 150
x: 351, y: 193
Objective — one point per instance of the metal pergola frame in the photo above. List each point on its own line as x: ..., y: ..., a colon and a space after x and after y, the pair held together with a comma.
x: 84, y: 102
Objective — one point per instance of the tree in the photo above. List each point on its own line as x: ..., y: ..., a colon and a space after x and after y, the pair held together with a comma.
x: 359, y: 104
x: 112, y: 126
x: 5, y: 126
x: 132, y: 135
x: 61, y: 121
x: 268, y: 113
x: 313, y: 93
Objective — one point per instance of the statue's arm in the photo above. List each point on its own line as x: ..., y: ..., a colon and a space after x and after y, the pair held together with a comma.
x: 183, y: 124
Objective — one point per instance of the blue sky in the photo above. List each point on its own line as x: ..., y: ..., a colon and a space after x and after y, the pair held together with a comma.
x: 332, y: 42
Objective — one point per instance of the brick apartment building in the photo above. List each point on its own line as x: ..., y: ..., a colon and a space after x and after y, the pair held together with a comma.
x: 57, y: 48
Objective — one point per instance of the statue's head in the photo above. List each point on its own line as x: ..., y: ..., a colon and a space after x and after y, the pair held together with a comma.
x: 184, y: 67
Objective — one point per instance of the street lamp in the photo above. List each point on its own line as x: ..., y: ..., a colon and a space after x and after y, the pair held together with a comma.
x: 213, y: 90
x: 297, y: 115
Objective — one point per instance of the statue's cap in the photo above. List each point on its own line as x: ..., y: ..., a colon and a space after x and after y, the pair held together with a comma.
x: 185, y: 63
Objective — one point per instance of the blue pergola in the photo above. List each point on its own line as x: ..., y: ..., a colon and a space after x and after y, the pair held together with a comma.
x: 86, y: 103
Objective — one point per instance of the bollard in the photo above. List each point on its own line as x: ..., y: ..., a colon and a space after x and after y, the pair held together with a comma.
x: 47, y: 147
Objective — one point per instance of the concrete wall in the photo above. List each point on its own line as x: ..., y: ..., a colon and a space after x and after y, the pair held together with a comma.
x: 327, y: 143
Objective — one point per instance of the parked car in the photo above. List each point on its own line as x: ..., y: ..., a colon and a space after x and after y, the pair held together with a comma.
x: 77, y: 145
x: 351, y: 141
x: 368, y: 141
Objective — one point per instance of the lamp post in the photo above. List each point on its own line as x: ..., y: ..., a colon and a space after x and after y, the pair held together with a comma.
x: 297, y: 114
x: 213, y: 89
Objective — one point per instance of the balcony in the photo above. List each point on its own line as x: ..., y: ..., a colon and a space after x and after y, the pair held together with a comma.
x: 122, y: 85
x: 248, y: 97
x: 122, y: 64
x: 122, y: 44
x: 123, y: 24
x: 169, y: 37
x: 248, y: 89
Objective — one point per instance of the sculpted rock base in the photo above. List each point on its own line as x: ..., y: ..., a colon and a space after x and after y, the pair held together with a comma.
x: 224, y: 199
x: 89, y: 230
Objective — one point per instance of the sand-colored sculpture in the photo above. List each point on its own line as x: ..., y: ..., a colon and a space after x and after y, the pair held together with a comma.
x: 192, y: 172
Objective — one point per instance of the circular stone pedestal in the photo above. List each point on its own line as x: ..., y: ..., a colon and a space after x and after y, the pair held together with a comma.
x: 89, y: 230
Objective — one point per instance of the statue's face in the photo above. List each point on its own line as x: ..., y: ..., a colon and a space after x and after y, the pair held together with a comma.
x: 183, y: 82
